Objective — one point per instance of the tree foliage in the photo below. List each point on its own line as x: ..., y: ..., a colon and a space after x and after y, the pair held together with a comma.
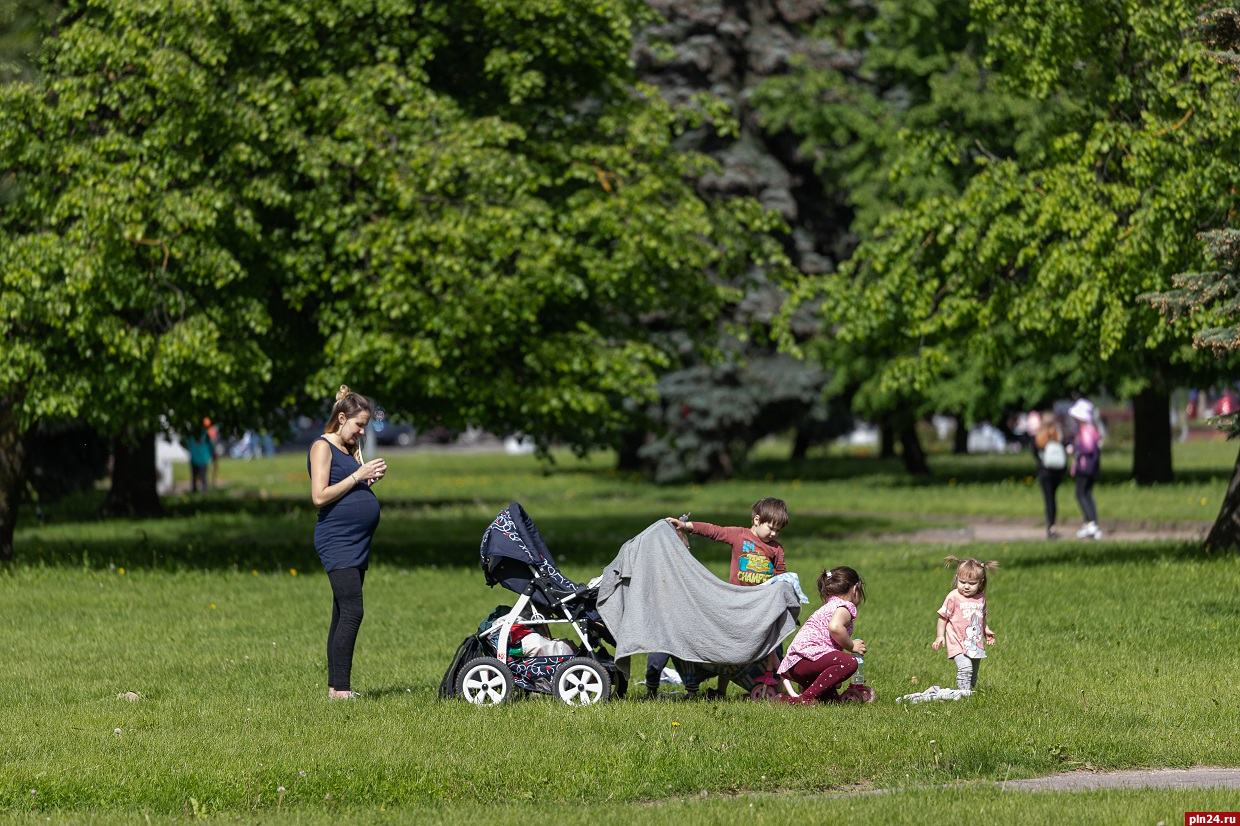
x: 1044, y: 251
x: 466, y: 209
x: 904, y: 119
x: 1208, y: 298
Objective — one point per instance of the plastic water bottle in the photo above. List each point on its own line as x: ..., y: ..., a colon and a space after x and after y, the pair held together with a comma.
x: 858, y: 677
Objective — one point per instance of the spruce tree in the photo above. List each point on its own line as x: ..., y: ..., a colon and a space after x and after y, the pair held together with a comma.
x: 1214, y: 294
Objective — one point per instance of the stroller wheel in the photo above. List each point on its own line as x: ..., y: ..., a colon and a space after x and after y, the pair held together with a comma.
x: 762, y: 692
x: 582, y: 682
x: 485, y: 681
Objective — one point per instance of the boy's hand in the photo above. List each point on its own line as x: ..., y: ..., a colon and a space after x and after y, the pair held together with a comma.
x: 681, y: 527
x: 938, y: 642
x: 990, y: 637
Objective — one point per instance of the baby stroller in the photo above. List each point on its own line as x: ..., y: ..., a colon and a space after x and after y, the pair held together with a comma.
x: 488, y: 667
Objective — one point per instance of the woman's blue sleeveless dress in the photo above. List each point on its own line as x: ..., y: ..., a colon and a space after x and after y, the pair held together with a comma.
x: 345, y: 527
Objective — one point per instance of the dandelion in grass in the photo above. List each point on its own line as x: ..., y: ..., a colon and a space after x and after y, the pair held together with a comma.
x: 280, y: 802
x: 292, y: 572
x: 121, y: 571
x: 254, y: 572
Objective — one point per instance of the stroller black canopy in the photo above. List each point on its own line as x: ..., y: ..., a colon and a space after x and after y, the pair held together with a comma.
x: 513, y: 553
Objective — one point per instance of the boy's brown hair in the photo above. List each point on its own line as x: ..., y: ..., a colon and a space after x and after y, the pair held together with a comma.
x: 772, y: 511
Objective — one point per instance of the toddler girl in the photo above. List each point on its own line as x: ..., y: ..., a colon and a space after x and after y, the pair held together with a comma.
x: 962, y: 620
x: 818, y: 659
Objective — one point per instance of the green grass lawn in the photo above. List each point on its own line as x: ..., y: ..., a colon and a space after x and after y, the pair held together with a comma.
x: 1109, y: 655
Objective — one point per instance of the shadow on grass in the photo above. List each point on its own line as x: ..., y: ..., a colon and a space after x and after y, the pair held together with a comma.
x: 84, y: 508
x: 231, y: 530
x: 1085, y: 554
x: 279, y: 534
x: 972, y: 469
x: 269, y: 534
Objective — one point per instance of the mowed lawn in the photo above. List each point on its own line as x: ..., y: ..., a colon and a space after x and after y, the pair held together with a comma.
x: 1109, y: 655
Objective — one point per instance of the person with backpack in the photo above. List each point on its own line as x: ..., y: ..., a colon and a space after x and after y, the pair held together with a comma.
x: 1086, y: 463
x: 1052, y: 459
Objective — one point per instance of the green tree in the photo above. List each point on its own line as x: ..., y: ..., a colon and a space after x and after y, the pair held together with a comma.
x: 904, y: 121
x: 1044, y: 251
x: 466, y: 209
x: 1209, y: 297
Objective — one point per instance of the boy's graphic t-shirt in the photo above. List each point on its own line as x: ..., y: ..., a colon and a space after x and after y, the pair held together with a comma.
x: 966, y: 621
x: 753, y: 568
x: 753, y: 561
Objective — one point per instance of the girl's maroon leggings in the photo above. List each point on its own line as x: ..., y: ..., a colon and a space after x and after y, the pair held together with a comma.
x: 818, y: 678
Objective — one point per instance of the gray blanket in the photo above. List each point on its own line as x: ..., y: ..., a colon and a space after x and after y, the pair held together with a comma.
x: 654, y: 596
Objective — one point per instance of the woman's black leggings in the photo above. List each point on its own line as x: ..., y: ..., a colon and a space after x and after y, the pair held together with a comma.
x: 346, y: 619
x: 1085, y: 496
x: 1049, y: 480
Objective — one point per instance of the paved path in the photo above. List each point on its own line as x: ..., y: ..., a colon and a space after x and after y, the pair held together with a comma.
x: 1201, y: 777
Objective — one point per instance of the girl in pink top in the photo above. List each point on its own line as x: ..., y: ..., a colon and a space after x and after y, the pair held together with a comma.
x: 1086, y: 450
x: 962, y: 627
x: 818, y: 659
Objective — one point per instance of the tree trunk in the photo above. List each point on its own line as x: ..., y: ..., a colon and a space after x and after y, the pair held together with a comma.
x: 133, y: 491
x: 801, y: 443
x: 628, y: 456
x: 12, y: 473
x: 1225, y: 535
x: 887, y: 442
x: 914, y: 457
x: 960, y: 444
x: 1151, y: 435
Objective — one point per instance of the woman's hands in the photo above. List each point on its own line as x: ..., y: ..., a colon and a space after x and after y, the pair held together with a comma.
x: 322, y: 490
x: 371, y: 472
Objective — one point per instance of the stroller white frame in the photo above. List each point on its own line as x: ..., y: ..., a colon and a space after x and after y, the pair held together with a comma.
x: 581, y: 680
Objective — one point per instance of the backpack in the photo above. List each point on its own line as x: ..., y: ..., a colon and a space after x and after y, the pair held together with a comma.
x: 1053, y: 456
x: 471, y: 647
